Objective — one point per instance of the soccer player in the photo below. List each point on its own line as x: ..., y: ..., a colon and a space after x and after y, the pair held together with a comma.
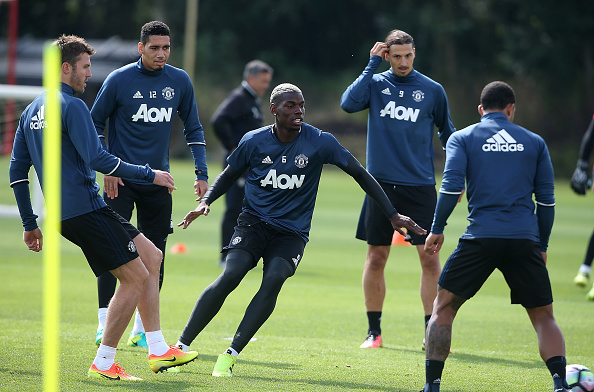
x: 239, y: 113
x: 110, y: 243
x: 504, y: 232
x: 140, y: 100
x: 404, y: 108
x: 285, y: 163
x: 580, y: 181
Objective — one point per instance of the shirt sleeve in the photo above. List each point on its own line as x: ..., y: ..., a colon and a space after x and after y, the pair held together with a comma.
x: 442, y: 118
x: 356, y: 96
x: 104, y: 107
x: 20, y: 164
x: 193, y: 131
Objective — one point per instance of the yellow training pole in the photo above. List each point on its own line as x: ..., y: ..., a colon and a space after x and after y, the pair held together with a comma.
x: 52, y: 173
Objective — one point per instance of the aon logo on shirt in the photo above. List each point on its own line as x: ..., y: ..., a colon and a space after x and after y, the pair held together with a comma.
x: 152, y: 115
x: 399, y: 112
x: 282, y: 181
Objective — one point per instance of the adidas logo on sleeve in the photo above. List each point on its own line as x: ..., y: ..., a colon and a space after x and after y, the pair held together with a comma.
x: 38, y: 121
x: 502, y: 141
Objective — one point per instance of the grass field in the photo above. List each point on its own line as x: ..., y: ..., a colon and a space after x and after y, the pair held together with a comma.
x: 311, y: 342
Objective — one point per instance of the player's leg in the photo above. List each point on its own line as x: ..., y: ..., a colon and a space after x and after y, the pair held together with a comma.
x: 153, y: 210
x: 375, y: 228
x: 551, y: 343
x: 439, y: 336
x: 418, y: 202
x: 276, y: 272
x: 583, y: 275
x: 527, y: 276
x: 238, y: 263
x: 374, y: 290
x: 464, y: 273
x: 430, y: 271
x: 281, y: 256
x: 106, y: 240
x: 106, y: 282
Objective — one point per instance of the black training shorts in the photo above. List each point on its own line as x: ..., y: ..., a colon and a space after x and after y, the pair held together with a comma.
x: 105, y: 238
x: 520, y: 261
x: 416, y: 202
x: 266, y: 241
x: 153, y: 207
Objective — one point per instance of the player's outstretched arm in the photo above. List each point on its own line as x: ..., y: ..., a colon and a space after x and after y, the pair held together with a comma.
x: 165, y: 179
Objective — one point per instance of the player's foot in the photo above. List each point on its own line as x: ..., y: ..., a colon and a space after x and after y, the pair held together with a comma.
x: 430, y: 388
x: 99, y: 337
x: 581, y: 279
x: 138, y: 340
x: 172, y: 358
x: 115, y: 372
x: 224, y: 366
x: 372, y: 341
x: 590, y: 295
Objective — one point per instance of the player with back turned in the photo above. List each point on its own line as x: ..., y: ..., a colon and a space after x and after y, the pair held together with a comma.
x: 505, y: 232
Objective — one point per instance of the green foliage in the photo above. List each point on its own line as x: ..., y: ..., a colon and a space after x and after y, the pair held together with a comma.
x: 310, y: 343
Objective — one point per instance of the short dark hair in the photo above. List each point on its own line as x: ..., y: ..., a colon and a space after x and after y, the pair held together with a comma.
x: 278, y: 91
x: 399, y: 37
x: 72, y: 47
x: 153, y: 28
x: 256, y: 67
x: 497, y: 95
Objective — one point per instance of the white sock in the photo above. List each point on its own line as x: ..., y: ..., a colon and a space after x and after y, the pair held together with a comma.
x: 585, y: 268
x: 183, y: 347
x: 156, y: 343
x: 105, y: 357
x: 101, y: 316
x: 138, y: 327
x: 232, y: 352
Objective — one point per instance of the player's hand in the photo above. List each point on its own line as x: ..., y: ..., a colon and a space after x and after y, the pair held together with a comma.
x: 200, y: 187
x: 110, y: 186
x: 580, y: 178
x: 165, y: 179
x: 33, y: 239
x: 379, y: 49
x: 202, y: 209
x: 544, y: 256
x: 399, y: 221
x: 433, y: 243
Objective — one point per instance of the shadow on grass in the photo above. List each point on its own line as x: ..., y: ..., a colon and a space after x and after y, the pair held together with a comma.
x: 482, y: 359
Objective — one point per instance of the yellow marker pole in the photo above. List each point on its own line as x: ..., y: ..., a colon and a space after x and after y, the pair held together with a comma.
x: 52, y: 173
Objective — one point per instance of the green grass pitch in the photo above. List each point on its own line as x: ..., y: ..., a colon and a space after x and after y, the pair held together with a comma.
x: 311, y: 341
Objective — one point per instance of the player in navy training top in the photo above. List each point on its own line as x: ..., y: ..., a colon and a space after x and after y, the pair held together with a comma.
x: 238, y: 114
x: 404, y: 108
x: 110, y: 243
x: 581, y: 180
x: 285, y: 162
x: 141, y: 100
x: 504, y: 166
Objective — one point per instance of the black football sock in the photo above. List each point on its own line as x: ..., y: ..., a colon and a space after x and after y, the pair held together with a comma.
x: 374, y: 319
x: 433, y: 370
x: 556, y: 366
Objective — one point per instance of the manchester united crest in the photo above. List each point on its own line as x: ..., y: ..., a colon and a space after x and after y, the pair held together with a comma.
x: 168, y: 93
x: 301, y: 161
